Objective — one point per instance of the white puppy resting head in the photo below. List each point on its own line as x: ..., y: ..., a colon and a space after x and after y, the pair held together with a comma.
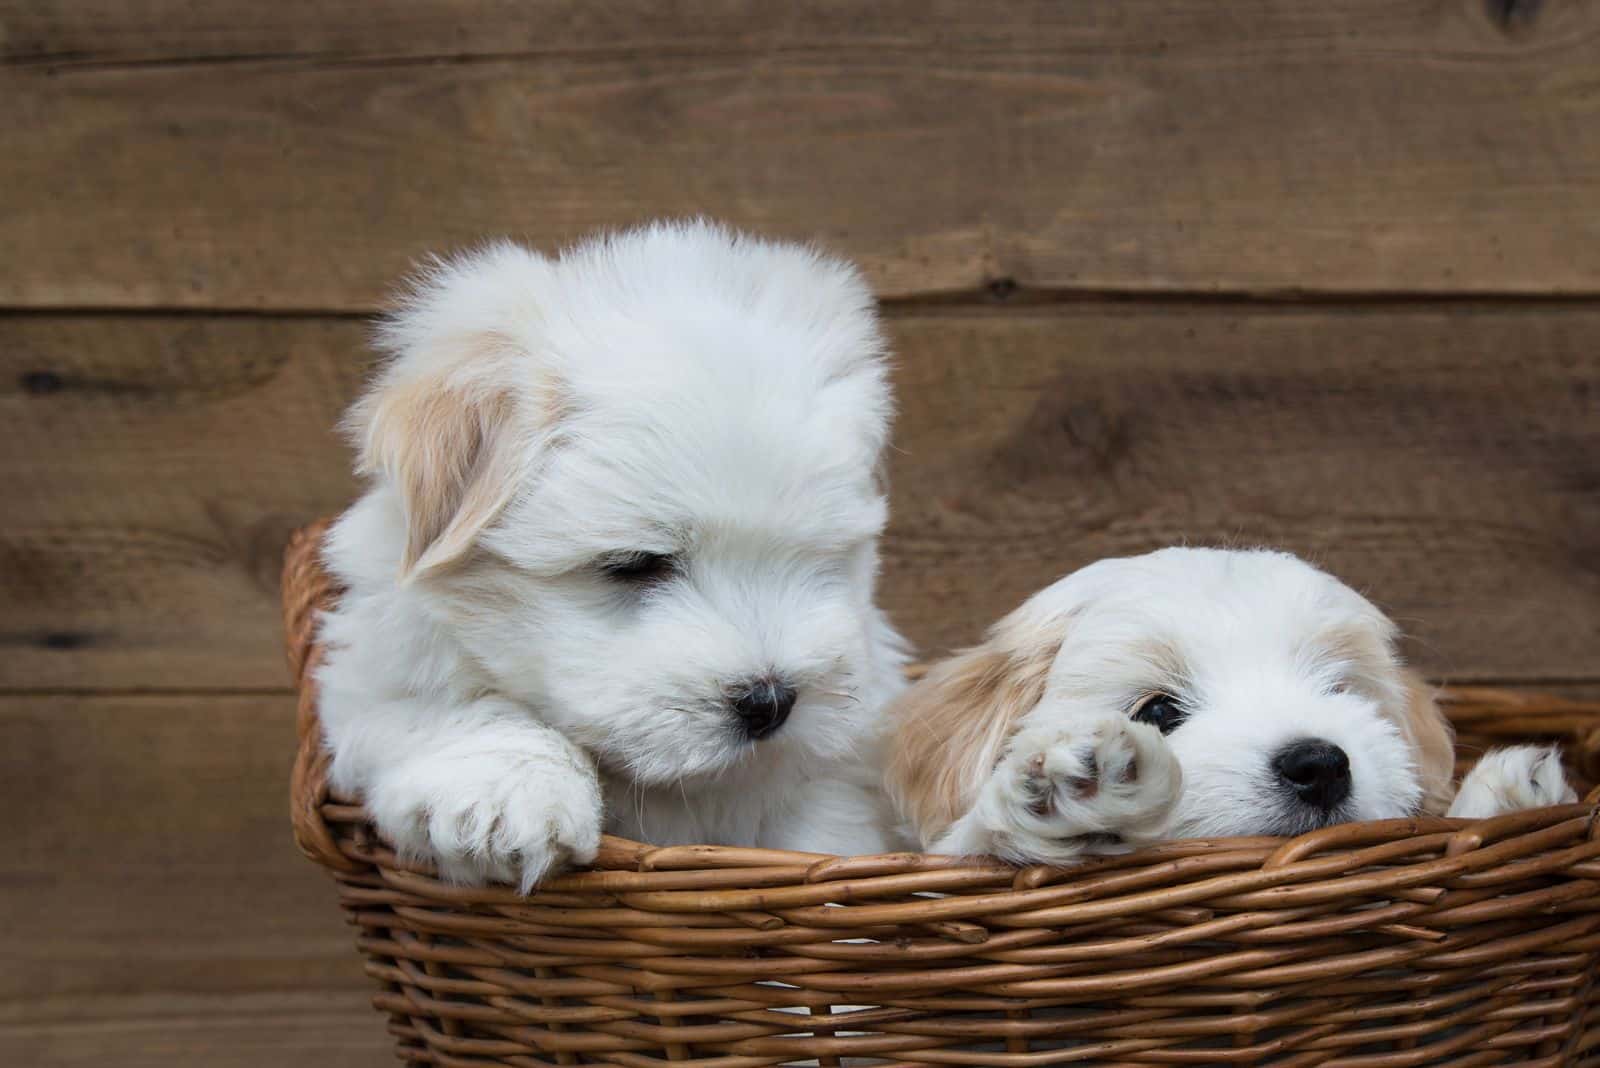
x: 638, y: 485
x: 1277, y: 689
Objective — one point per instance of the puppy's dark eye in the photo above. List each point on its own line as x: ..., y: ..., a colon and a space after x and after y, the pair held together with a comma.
x: 1162, y: 711
x: 638, y: 569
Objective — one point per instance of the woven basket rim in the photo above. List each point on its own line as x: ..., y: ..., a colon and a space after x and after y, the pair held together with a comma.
x: 307, y: 588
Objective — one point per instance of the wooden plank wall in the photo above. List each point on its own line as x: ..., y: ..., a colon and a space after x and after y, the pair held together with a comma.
x: 1322, y: 275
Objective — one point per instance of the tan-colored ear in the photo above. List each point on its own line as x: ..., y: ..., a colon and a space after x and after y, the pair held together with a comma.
x: 1432, y: 742
x: 441, y: 426
x: 451, y: 457
x: 462, y: 400
x: 950, y: 728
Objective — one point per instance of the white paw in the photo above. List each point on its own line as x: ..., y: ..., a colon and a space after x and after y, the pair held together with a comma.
x: 1509, y: 780
x: 1061, y: 787
x: 491, y: 816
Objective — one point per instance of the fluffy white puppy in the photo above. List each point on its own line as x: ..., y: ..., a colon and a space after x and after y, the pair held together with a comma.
x: 615, y: 567
x: 1185, y: 693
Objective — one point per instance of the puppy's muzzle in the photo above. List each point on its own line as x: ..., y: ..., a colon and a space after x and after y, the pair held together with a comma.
x: 762, y: 706
x: 1314, y: 771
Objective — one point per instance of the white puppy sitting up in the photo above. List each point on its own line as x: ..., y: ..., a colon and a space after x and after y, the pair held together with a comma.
x: 1185, y: 693
x: 616, y: 565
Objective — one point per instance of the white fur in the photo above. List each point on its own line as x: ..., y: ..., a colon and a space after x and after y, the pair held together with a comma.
x: 676, y: 389
x: 1263, y: 650
x: 1033, y: 807
x: 1508, y: 780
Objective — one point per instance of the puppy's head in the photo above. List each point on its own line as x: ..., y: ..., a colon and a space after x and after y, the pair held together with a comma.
x: 639, y: 485
x: 1277, y: 687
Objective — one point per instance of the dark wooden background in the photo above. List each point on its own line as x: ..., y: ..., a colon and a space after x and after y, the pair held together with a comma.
x: 1320, y: 275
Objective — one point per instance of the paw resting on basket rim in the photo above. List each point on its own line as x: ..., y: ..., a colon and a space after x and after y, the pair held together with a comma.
x: 1510, y: 780
x: 487, y: 816
x: 1064, y: 788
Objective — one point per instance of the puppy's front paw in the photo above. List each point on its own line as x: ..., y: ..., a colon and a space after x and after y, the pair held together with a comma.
x: 1509, y: 780
x: 1059, y: 785
x: 491, y: 817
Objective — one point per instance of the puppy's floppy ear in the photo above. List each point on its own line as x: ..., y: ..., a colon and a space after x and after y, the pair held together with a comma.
x: 445, y: 445
x: 445, y: 421
x: 950, y: 728
x: 1432, y: 743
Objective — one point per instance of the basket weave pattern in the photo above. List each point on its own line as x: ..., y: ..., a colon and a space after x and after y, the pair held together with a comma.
x: 1401, y: 942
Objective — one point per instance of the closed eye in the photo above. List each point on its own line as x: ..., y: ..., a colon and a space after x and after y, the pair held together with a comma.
x: 637, y: 568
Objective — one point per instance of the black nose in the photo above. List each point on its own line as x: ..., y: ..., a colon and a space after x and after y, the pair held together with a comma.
x: 1318, y: 772
x: 764, y: 706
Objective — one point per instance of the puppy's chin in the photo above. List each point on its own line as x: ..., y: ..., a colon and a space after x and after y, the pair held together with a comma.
x: 672, y: 746
x: 1287, y: 819
x: 1262, y: 809
x: 704, y: 767
x: 682, y: 762
x: 1265, y: 816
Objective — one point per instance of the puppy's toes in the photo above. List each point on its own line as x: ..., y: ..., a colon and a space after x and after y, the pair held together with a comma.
x: 491, y: 820
x: 1108, y: 776
x: 544, y: 827
x: 1149, y: 798
x: 1509, y: 780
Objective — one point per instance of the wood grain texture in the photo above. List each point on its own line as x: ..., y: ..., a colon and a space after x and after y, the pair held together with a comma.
x: 319, y: 1028
x: 66, y: 32
x: 153, y: 902
x: 1150, y: 146
x: 1444, y: 458
x: 153, y: 470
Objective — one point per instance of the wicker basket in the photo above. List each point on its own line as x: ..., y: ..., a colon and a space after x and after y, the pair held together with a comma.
x: 1402, y: 942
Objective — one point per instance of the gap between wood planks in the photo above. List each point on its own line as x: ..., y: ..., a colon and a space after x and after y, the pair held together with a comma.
x: 1516, y: 20
x: 68, y: 63
x: 998, y: 294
